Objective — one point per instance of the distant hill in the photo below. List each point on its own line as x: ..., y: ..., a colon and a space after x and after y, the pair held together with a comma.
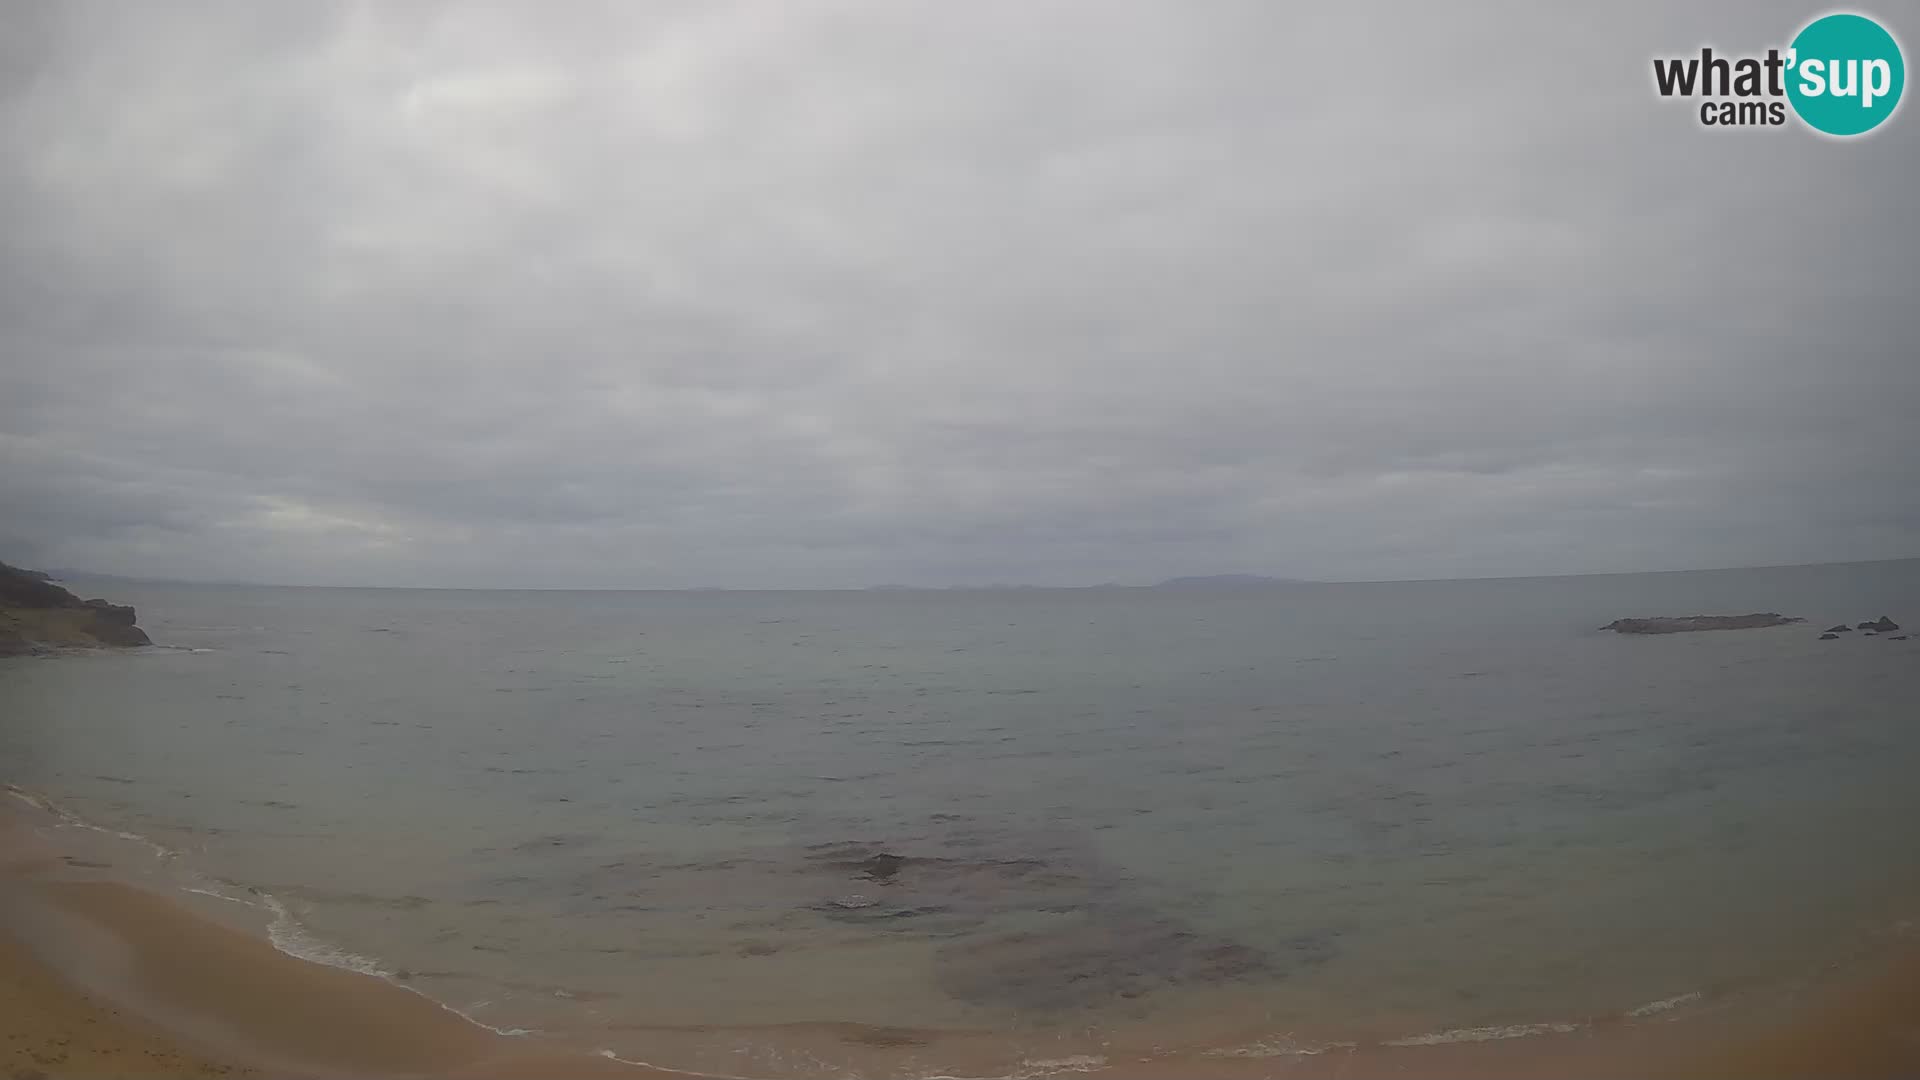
x: 68, y: 574
x: 1226, y: 581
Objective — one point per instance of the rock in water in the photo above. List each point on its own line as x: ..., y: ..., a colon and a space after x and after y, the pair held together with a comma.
x: 1829, y: 637
x: 1881, y: 625
x: 1668, y: 624
x: 881, y: 867
x: 1843, y: 628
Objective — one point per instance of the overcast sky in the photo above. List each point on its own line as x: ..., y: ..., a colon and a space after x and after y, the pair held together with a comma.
x: 820, y: 294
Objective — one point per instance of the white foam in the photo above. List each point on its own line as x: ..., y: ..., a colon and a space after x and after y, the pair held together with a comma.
x: 1652, y: 1008
x: 511, y: 1033
x: 1028, y: 1069
x: 160, y: 851
x: 1484, y: 1034
x: 1279, y: 1046
x: 70, y: 820
x: 223, y: 896
x: 1037, y: 1068
x: 611, y: 1056
x: 290, y: 937
x: 32, y: 800
x: 1050, y: 1066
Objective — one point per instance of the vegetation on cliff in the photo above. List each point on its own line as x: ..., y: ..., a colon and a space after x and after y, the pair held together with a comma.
x: 38, y: 616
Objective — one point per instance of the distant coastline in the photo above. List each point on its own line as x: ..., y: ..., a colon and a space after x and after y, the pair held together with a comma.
x: 1201, y: 581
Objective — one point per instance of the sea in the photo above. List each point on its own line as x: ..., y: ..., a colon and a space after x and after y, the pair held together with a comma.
x: 1012, y: 832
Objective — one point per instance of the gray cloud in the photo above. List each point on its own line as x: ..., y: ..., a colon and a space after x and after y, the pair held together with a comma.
x: 836, y: 293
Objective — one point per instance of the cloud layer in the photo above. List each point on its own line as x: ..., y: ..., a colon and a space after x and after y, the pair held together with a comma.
x: 823, y: 294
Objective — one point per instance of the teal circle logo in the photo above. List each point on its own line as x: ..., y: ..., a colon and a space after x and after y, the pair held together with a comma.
x: 1845, y: 74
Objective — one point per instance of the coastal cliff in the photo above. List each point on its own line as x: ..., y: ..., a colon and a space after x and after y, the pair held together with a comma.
x: 37, y: 616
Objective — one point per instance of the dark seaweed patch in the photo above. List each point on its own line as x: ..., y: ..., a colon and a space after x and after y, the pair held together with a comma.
x: 1092, y: 958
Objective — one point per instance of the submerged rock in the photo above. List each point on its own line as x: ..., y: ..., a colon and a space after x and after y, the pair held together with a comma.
x: 1843, y: 628
x: 1829, y: 636
x: 936, y: 894
x: 1033, y: 922
x: 881, y: 867
x: 1106, y: 953
x: 1668, y: 624
x: 1898, y: 637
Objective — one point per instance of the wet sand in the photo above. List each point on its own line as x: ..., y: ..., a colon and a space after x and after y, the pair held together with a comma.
x: 48, y: 1028
x: 102, y: 978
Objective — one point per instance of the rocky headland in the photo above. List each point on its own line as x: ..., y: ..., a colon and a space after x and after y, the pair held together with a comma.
x: 1670, y: 624
x: 1883, y: 627
x: 37, y: 617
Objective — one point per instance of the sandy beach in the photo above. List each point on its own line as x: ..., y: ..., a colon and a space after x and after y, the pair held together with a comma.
x: 100, y: 977
x: 52, y: 1029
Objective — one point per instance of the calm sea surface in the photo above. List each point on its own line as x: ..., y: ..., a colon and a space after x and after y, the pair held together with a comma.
x: 780, y: 833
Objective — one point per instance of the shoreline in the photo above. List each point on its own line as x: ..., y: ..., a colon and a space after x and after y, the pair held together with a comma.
x: 101, y: 976
x: 115, y: 976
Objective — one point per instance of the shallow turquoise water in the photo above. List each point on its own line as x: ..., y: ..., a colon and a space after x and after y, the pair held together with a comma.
x: 1394, y: 808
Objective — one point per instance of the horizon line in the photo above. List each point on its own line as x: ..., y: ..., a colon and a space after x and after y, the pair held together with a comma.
x: 1269, y: 582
